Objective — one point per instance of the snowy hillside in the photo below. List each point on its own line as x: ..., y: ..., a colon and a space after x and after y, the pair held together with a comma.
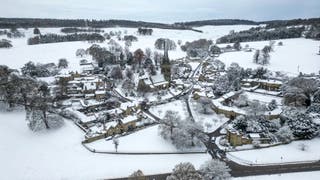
x: 21, y: 53
x: 59, y: 155
x: 294, y: 53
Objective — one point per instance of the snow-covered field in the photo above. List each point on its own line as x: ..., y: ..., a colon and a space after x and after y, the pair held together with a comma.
x: 178, y: 106
x: 315, y: 175
x: 147, y: 140
x: 21, y: 53
x: 281, y: 154
x: 264, y: 98
x: 58, y: 154
x: 294, y: 53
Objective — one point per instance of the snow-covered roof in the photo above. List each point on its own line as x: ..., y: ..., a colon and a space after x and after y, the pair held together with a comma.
x: 89, y: 86
x: 87, y: 67
x: 254, y: 135
x: 147, y: 81
x: 111, y: 124
x: 197, y: 86
x: 160, y: 83
x: 115, y: 111
x: 270, y: 81
x: 100, y: 92
x: 179, y: 82
x: 129, y: 119
x: 89, y: 95
x: 74, y: 82
x: 127, y: 104
x: 159, y: 78
x: 63, y: 75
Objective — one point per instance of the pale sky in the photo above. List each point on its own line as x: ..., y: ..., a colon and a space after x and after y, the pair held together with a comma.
x: 161, y: 10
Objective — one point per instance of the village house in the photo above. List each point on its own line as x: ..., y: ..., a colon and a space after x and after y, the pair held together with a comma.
x: 267, y: 84
x: 129, y: 108
x: 87, y: 68
x: 221, y: 106
x: 155, y: 83
x: 86, y: 86
x: 100, y: 95
x: 235, y: 138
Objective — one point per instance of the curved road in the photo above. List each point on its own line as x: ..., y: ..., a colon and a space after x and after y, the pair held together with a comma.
x: 237, y: 170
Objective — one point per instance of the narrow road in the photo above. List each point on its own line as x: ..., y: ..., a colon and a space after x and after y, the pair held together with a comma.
x: 237, y: 170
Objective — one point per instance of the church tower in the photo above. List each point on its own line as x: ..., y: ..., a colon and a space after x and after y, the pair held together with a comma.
x: 166, y: 66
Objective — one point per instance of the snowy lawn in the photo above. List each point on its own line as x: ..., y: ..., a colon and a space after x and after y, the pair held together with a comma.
x: 294, y: 52
x: 210, y: 122
x: 264, y: 98
x: 58, y: 154
x: 314, y: 175
x: 178, y: 106
x: 289, y: 153
x: 147, y: 140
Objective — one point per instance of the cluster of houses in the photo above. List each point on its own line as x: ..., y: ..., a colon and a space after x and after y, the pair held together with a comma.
x: 236, y: 138
x: 266, y: 84
x: 209, y: 72
x: 122, y: 118
x: 101, y: 115
x: 154, y: 83
x: 84, y: 86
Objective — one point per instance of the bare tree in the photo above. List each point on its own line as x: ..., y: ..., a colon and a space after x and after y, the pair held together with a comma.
x: 184, y: 171
x: 168, y: 123
x: 215, y: 170
x: 115, y: 141
x: 205, y: 105
x: 137, y: 175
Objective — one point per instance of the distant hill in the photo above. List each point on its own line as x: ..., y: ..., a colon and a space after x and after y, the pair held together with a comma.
x: 36, y: 22
x: 218, y: 22
x: 292, y: 22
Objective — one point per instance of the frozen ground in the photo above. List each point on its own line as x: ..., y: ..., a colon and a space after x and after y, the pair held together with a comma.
x: 58, y: 154
x: 178, y: 106
x: 147, y: 140
x: 294, y: 53
x: 280, y: 154
x: 315, y: 175
x: 21, y: 53
x: 210, y: 122
x: 265, y: 98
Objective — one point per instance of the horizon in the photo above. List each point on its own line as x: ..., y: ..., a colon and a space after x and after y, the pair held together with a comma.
x: 162, y: 12
x: 159, y: 22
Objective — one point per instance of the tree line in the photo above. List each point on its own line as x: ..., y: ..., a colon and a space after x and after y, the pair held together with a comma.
x: 37, y: 22
x: 54, y: 38
x: 262, y: 34
x: 77, y: 30
x: 34, y: 95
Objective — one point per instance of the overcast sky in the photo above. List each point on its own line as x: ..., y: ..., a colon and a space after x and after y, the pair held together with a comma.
x: 161, y: 10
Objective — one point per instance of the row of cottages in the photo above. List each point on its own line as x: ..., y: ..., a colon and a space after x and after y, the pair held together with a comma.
x: 267, y: 84
x: 129, y: 108
x: 209, y: 72
x: 218, y: 105
x: 235, y: 138
x: 199, y: 92
x: 154, y: 83
x: 230, y: 112
x: 89, y: 87
x: 126, y: 124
